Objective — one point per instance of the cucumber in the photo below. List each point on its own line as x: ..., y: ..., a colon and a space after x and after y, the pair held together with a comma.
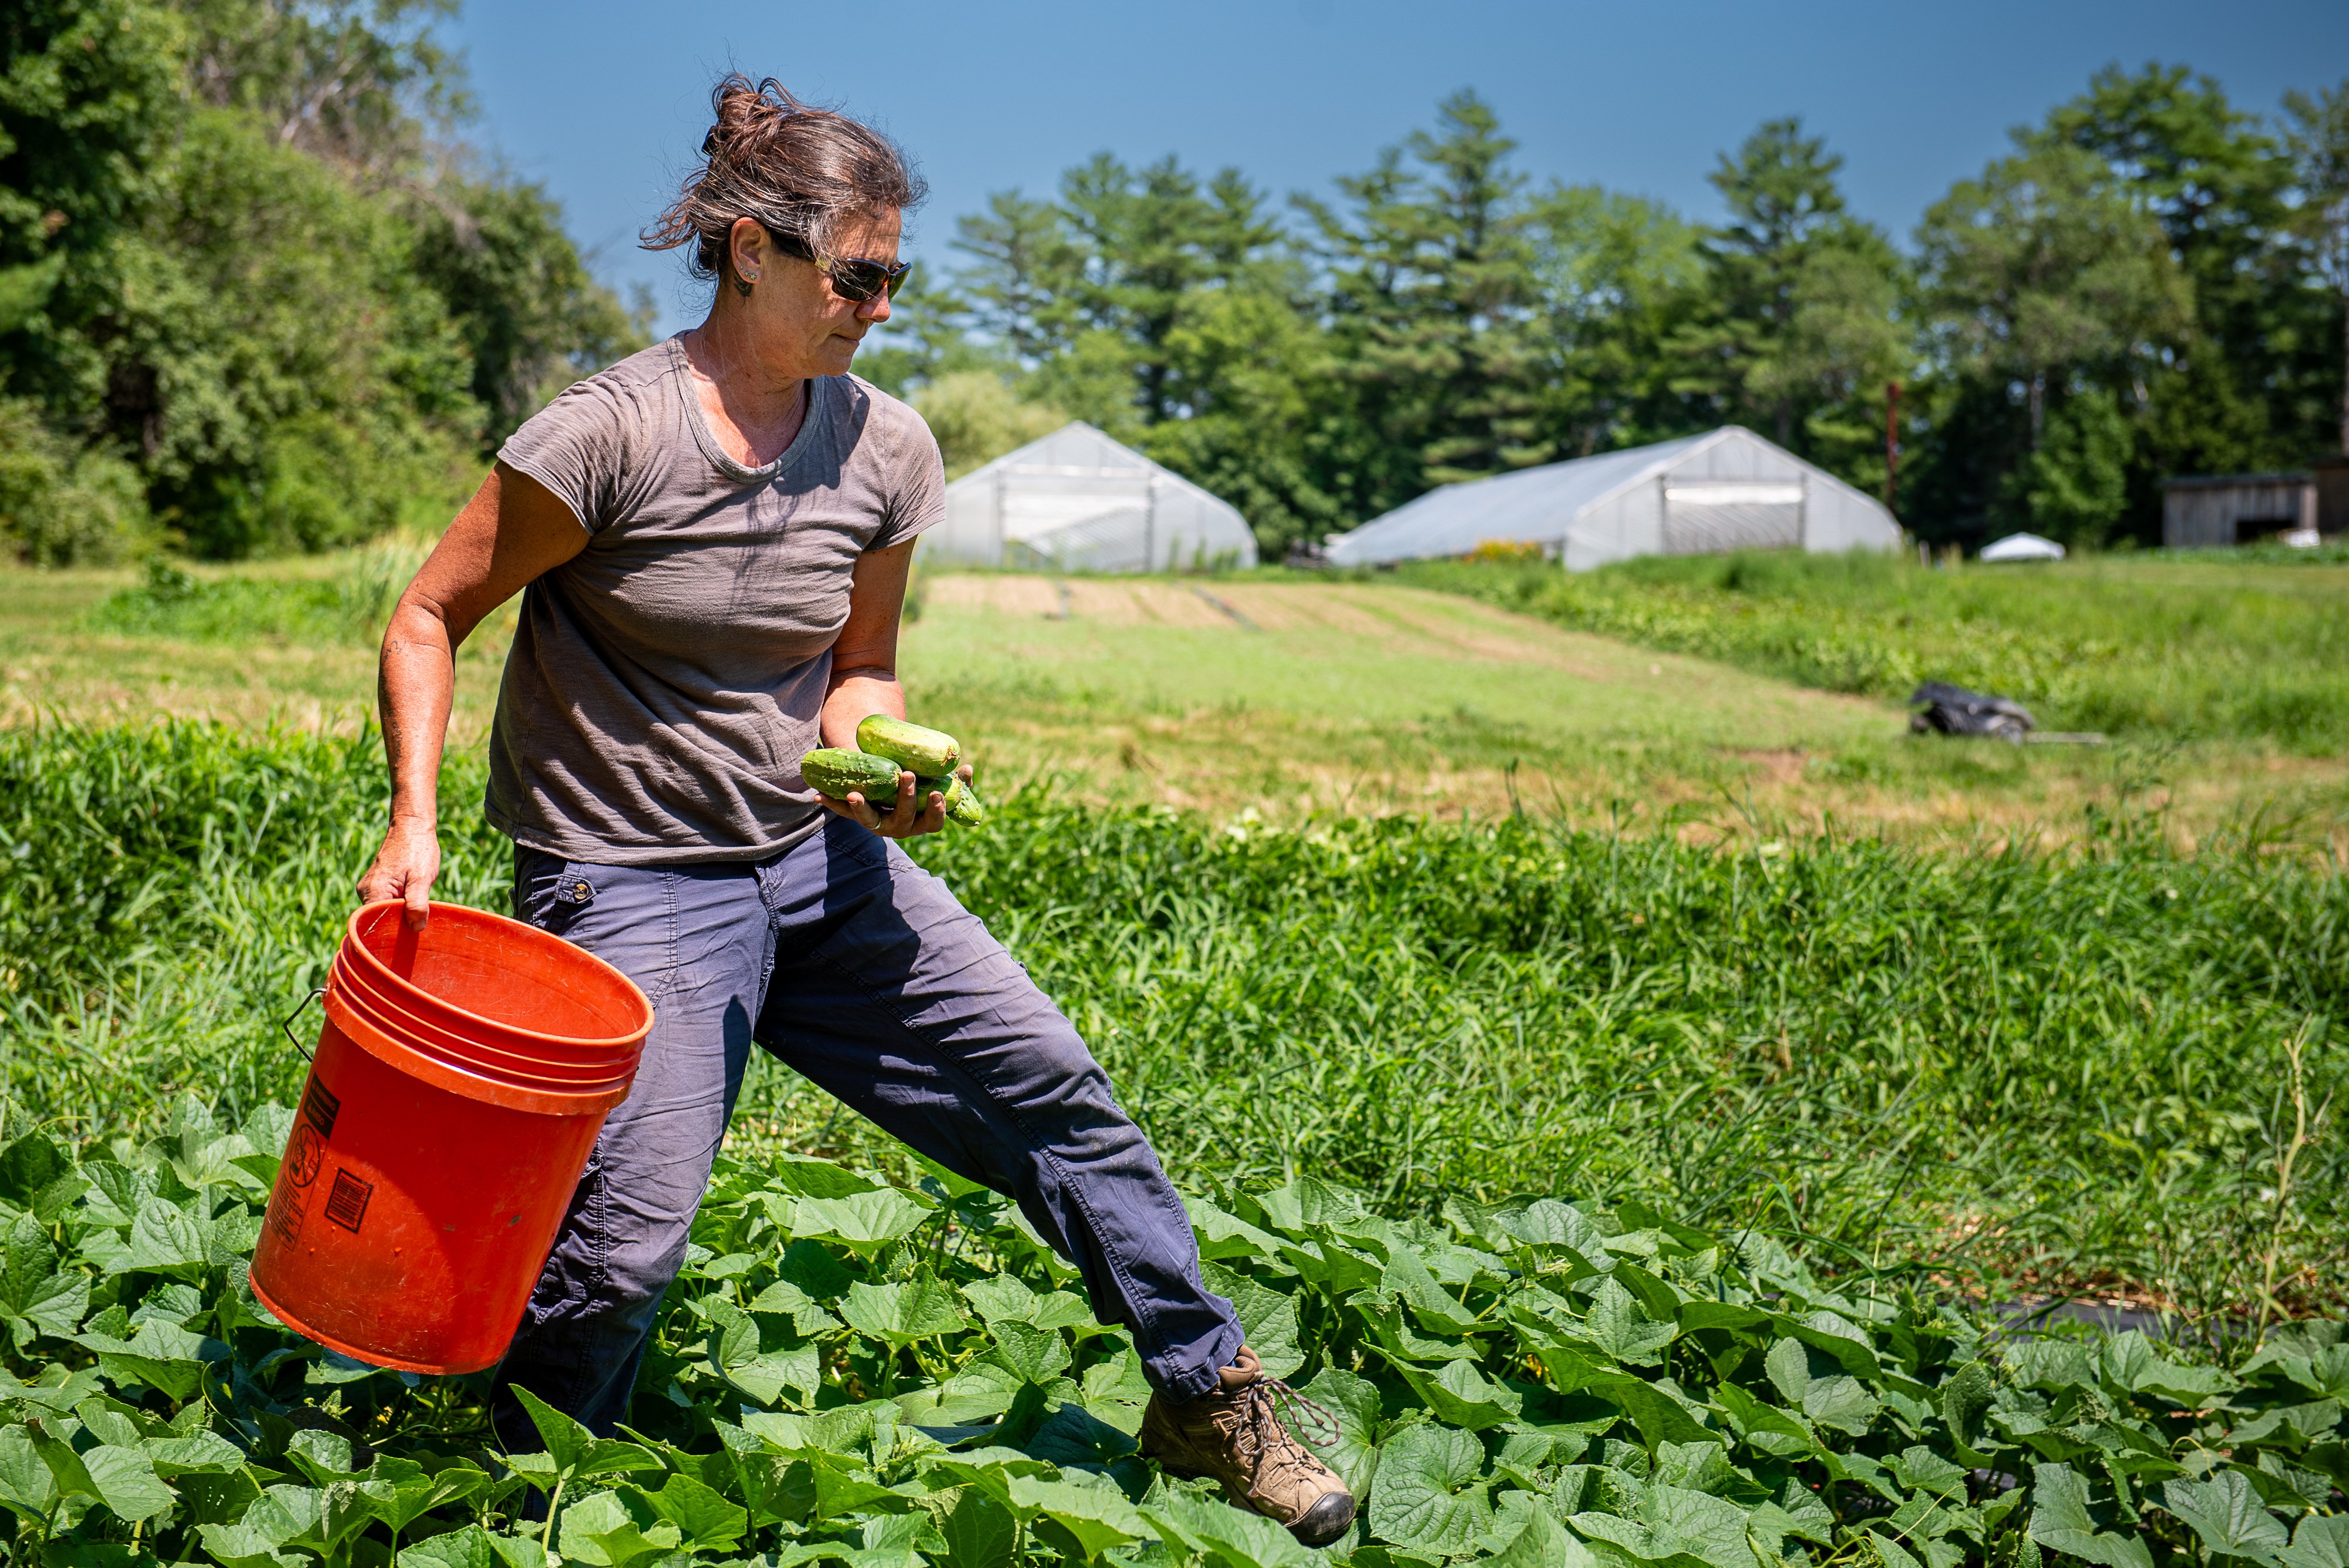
x: 926, y: 752
x: 835, y: 771
x: 963, y: 804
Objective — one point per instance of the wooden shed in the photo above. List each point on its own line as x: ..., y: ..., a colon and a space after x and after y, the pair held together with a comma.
x: 2235, y: 508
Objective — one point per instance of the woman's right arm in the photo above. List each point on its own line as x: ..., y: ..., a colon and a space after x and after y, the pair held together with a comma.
x: 514, y: 529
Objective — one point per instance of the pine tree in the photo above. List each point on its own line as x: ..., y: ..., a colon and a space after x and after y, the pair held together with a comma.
x: 1433, y: 298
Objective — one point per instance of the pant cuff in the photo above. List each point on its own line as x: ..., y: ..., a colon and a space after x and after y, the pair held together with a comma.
x: 1182, y: 1375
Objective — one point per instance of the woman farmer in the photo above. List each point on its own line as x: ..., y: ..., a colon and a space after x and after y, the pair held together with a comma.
x: 711, y: 541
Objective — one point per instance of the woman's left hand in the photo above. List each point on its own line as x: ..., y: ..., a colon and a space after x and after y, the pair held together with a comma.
x: 909, y: 816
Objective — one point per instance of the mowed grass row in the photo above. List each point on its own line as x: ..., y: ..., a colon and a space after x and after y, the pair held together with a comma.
x: 2182, y: 646
x: 2016, y: 1071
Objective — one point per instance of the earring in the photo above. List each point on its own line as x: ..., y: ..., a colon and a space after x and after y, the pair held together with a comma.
x: 743, y: 285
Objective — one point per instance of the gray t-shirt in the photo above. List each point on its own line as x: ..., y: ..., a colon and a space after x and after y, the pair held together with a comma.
x: 665, y: 682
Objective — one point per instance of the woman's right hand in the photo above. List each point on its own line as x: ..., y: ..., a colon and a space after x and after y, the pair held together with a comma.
x: 405, y: 869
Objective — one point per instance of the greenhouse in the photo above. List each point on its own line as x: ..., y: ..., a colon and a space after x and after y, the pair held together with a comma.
x: 1078, y: 501
x: 1702, y: 494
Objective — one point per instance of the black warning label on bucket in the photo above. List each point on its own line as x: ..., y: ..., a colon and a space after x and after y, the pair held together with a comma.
x: 286, y: 1213
x: 319, y: 1107
x: 346, y: 1204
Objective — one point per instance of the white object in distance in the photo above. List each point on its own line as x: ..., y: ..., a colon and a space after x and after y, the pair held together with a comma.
x: 2022, y: 547
x: 2303, y: 538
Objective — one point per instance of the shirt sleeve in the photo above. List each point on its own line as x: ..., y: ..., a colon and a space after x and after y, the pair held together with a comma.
x: 920, y: 496
x: 575, y: 447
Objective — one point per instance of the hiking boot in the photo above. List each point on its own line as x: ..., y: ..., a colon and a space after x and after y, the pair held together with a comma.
x: 1236, y: 1436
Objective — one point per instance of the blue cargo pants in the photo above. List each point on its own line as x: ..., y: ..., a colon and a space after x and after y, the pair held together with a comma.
x: 858, y: 969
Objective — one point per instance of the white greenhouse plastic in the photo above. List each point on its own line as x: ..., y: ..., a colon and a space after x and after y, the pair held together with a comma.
x: 1702, y: 494
x: 2022, y: 547
x: 1079, y: 502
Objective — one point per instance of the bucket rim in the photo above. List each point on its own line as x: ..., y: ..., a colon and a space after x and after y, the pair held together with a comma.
x: 540, y: 1098
x: 433, y: 1038
x: 377, y: 972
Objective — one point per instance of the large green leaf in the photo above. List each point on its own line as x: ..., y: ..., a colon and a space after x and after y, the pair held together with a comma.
x: 2320, y: 1540
x: 200, y: 1452
x: 998, y: 1298
x: 1764, y: 1428
x: 124, y: 1479
x: 1116, y: 1391
x: 1353, y: 1404
x: 1225, y: 1536
x: 1222, y: 1235
x: 1096, y: 1518
x: 1268, y: 1317
x: 401, y: 1492
x: 1618, y: 1326
x: 1427, y: 1496
x: 574, y: 1450
x: 1965, y: 1396
x: 27, y: 1490
x: 1072, y: 1438
x: 1674, y: 1525
x: 243, y: 1546
x: 2062, y: 1522
x: 739, y: 1349
x: 979, y: 1532
x: 782, y: 1298
x: 1035, y: 1355
x: 1306, y: 1202
x: 806, y: 1177
x: 979, y: 1390
x: 1839, y: 1339
x: 1460, y: 1395
x: 34, y: 1297
x: 861, y: 1221
x: 601, y: 1530
x: 1541, y: 1543
x: 165, y: 1237
x: 1384, y: 1317
x: 2228, y: 1515
x: 470, y: 1546
x: 29, y: 1166
x: 1835, y: 1400
x: 706, y: 1520
x: 904, y: 1311
x: 1407, y: 1279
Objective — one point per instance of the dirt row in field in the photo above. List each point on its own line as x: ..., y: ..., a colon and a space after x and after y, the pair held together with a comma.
x: 1398, y: 618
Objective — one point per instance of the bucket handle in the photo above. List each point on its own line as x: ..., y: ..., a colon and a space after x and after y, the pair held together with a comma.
x: 287, y: 1024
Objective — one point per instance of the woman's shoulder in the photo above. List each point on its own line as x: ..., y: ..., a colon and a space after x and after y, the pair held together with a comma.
x: 595, y: 432
x: 893, y: 426
x: 643, y: 373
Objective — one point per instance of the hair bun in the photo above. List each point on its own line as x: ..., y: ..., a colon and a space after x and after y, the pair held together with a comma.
x: 795, y: 170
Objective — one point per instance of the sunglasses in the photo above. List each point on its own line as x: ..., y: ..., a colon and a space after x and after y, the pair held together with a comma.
x: 854, y: 279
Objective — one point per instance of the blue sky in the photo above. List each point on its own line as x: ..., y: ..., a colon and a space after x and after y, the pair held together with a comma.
x: 605, y: 101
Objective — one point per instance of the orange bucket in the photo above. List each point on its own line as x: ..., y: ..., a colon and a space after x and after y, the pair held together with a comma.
x: 461, y: 1078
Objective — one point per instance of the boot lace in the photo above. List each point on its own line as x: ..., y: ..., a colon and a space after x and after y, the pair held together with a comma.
x: 1261, y: 1406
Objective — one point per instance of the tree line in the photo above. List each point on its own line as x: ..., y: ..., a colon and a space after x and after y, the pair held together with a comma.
x: 254, y: 294
x: 2150, y: 282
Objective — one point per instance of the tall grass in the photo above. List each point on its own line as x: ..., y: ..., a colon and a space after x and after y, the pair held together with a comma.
x: 2182, y: 646
x: 351, y: 605
x: 2014, y: 1069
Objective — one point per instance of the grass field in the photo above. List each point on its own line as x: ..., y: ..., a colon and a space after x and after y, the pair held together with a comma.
x: 1256, y: 693
x: 2017, y: 1071
x: 2182, y: 646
